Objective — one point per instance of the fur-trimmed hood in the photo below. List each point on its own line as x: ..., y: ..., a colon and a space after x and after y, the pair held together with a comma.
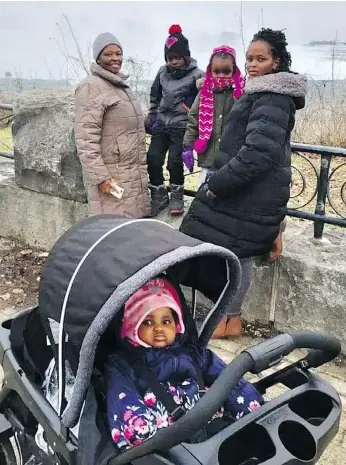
x: 286, y: 83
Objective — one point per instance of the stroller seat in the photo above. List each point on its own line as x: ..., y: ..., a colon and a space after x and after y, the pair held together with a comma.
x: 88, y: 276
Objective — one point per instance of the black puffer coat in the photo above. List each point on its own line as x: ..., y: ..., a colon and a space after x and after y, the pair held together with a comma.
x: 253, y: 169
x: 170, y: 90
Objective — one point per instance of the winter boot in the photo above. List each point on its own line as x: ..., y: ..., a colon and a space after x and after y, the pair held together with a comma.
x: 219, y: 332
x: 228, y: 327
x: 233, y: 328
x: 176, y: 204
x: 159, y: 199
x: 276, y: 250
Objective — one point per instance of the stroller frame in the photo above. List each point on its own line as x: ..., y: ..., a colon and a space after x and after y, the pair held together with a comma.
x: 309, y: 411
x: 311, y: 408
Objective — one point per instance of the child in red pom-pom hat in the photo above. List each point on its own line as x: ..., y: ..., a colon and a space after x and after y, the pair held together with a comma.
x: 177, y: 43
x: 172, y: 94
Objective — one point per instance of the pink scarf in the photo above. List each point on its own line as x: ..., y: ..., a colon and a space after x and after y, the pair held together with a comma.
x: 206, y: 106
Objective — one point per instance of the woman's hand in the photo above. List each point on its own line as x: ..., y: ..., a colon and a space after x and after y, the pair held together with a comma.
x: 106, y: 186
x: 211, y: 194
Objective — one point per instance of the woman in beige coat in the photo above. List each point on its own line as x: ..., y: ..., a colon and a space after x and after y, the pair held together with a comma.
x: 110, y: 135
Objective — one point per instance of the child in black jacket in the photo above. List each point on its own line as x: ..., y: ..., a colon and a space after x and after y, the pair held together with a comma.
x: 172, y: 94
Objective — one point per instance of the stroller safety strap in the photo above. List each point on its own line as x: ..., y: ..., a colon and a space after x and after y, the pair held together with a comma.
x: 144, y: 373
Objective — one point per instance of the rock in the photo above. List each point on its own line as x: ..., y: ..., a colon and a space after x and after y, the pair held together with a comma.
x: 310, y: 290
x: 26, y: 252
x: 45, y: 153
x: 43, y: 255
x: 18, y: 291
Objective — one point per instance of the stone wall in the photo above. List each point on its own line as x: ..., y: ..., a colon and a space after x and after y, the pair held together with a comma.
x: 45, y: 153
x: 34, y: 218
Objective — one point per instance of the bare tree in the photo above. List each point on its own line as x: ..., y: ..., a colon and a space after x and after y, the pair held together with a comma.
x: 77, y: 62
x: 8, y: 77
x: 242, y: 26
x: 139, y: 77
x: 333, y: 58
x: 262, y: 18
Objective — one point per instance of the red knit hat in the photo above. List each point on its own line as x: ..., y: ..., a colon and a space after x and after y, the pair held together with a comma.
x: 176, y: 42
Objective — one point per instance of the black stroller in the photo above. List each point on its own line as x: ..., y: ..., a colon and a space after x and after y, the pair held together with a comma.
x: 90, y: 273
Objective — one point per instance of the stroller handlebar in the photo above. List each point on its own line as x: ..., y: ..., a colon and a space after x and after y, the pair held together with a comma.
x: 269, y: 353
x: 254, y: 359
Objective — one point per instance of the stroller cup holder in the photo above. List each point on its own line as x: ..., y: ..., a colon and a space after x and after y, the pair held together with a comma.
x: 291, y: 432
x: 293, y: 429
x: 312, y: 406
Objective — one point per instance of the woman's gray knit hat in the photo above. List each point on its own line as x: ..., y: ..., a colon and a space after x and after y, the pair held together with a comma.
x: 102, y: 41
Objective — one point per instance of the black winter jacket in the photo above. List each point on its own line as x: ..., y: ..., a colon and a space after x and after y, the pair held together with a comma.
x: 170, y: 90
x: 253, y: 169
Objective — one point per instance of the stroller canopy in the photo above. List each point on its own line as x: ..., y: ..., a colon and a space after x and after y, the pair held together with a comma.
x: 96, y: 266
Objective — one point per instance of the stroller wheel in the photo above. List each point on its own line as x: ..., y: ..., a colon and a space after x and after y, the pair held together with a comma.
x: 11, y: 453
x: 7, y: 453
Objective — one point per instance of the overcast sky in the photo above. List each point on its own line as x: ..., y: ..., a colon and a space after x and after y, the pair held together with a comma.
x: 26, y: 29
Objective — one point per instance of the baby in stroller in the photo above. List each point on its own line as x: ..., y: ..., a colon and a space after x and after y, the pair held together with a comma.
x: 159, y: 374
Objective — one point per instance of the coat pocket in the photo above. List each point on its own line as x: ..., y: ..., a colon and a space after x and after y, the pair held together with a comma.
x: 201, y: 195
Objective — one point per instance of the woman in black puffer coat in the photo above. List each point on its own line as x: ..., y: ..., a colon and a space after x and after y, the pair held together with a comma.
x: 243, y: 201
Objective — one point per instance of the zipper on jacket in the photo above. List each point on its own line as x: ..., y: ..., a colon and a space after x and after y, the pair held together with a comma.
x: 175, y: 362
x: 145, y: 141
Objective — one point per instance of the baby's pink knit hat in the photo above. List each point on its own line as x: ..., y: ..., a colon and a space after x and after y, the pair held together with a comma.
x: 157, y: 293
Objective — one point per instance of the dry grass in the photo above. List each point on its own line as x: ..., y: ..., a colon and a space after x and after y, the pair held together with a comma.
x: 322, y: 124
x: 6, y: 142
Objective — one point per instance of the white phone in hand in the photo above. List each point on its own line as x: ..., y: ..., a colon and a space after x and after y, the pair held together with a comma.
x: 117, y: 191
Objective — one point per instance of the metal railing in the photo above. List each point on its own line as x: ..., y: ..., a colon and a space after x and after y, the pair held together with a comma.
x: 6, y: 153
x: 315, y: 185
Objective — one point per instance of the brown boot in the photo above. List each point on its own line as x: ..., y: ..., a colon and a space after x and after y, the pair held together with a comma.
x: 219, y: 332
x: 233, y: 327
x: 276, y: 250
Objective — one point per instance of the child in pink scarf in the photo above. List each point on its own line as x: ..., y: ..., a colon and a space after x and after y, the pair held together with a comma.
x: 222, y: 85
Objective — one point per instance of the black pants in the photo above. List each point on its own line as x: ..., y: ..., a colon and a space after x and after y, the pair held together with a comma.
x: 170, y: 140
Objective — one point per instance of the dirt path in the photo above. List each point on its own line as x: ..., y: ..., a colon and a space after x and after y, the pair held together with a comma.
x: 20, y: 269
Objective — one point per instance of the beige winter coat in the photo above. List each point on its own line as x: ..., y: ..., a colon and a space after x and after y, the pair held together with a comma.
x: 110, y: 138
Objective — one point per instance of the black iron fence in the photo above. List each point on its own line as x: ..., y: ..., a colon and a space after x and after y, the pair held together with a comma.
x: 318, y: 190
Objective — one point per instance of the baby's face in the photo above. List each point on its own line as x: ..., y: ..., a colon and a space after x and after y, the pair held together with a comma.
x: 158, y: 329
